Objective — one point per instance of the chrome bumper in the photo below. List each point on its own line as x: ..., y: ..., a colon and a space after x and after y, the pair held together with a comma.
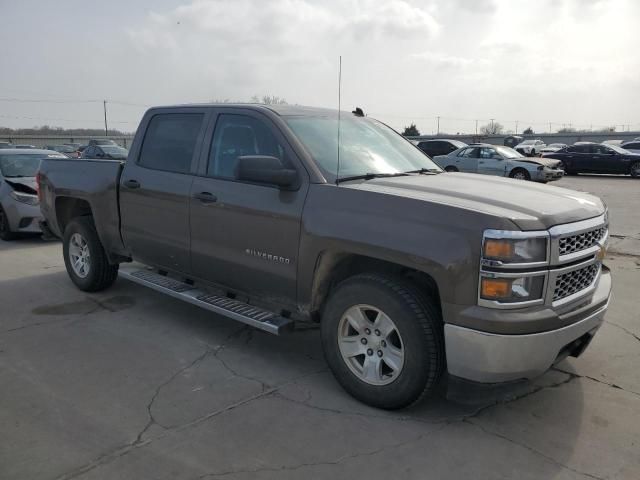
x: 493, y: 358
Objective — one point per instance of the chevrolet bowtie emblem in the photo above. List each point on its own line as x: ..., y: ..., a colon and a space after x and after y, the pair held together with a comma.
x: 602, y: 252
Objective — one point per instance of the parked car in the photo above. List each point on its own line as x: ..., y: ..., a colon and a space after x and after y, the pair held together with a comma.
x: 513, y: 140
x: 586, y: 157
x: 439, y: 147
x: 113, y: 152
x: 5, y: 145
x: 553, y: 147
x: 502, y: 161
x: 67, y: 150
x: 19, y: 206
x: 613, y: 142
x: 530, y: 148
x: 74, y: 145
x: 633, y: 146
x: 101, y: 141
x: 411, y: 272
x: 23, y: 146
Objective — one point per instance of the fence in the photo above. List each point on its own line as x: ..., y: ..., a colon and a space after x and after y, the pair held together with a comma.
x: 43, y: 140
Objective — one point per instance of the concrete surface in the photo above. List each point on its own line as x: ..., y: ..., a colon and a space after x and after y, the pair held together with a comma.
x: 128, y: 384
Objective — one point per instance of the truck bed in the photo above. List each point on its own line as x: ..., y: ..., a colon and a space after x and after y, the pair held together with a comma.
x: 64, y: 182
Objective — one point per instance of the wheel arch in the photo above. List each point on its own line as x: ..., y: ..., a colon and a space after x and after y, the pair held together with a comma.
x: 68, y: 208
x: 332, y: 267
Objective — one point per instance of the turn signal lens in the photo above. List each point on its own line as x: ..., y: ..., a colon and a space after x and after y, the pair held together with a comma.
x: 495, y: 288
x: 498, y: 249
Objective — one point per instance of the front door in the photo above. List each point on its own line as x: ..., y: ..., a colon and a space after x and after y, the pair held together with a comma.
x: 155, y: 189
x: 246, y: 236
x: 490, y: 162
x: 467, y: 160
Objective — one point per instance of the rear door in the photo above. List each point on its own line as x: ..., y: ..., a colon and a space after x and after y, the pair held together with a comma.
x: 245, y: 236
x: 155, y: 187
x: 577, y: 158
x: 467, y: 160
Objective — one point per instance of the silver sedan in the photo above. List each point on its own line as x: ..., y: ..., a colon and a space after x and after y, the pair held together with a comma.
x: 19, y: 206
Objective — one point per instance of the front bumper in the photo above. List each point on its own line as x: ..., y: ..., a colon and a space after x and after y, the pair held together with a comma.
x: 22, y: 216
x: 494, y: 358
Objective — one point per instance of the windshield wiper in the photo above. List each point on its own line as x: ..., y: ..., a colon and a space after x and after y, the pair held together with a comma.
x: 425, y: 170
x: 369, y: 176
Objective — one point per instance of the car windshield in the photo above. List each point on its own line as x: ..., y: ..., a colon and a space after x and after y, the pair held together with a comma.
x: 617, y: 149
x: 114, y: 151
x: 19, y: 165
x: 366, y: 146
x: 528, y: 142
x: 507, y: 152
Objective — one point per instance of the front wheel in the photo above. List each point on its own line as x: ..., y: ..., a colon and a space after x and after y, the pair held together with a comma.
x: 85, y: 258
x: 383, y: 340
x: 635, y: 170
x: 451, y: 169
x: 520, y: 174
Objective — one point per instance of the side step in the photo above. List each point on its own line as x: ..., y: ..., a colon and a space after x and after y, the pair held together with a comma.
x: 234, y: 309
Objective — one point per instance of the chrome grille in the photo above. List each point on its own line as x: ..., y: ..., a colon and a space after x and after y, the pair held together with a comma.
x: 581, y: 241
x: 572, y: 282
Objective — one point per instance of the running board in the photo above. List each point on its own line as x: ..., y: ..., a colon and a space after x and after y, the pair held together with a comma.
x: 231, y: 308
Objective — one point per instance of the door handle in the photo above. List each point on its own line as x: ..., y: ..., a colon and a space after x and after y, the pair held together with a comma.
x: 205, y: 197
x: 132, y: 184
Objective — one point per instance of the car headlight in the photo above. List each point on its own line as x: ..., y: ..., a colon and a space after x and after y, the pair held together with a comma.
x: 514, y: 289
x: 24, y: 198
x: 505, y: 247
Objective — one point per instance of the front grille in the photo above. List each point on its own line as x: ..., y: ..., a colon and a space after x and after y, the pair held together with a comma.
x: 581, y: 241
x: 572, y: 282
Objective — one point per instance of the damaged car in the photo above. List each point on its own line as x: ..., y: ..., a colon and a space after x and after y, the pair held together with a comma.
x: 19, y: 205
x: 502, y: 161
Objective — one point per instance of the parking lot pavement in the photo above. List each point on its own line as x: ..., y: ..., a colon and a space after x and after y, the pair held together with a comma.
x: 129, y: 384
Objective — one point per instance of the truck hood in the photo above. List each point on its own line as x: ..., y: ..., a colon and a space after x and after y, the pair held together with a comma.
x: 545, y: 162
x: 530, y: 206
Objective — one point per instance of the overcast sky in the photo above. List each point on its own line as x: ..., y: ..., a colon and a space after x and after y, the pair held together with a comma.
x: 561, y: 61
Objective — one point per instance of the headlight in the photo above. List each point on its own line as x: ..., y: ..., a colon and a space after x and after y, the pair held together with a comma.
x: 511, y: 289
x: 504, y: 247
x: 24, y: 198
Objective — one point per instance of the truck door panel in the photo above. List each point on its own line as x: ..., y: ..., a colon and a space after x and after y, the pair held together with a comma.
x: 155, y: 189
x: 248, y: 238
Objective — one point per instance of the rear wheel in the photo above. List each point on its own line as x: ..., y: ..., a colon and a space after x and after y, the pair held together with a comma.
x: 85, y: 258
x: 520, y: 174
x: 383, y: 340
x: 451, y: 169
x: 5, y: 229
x: 635, y: 170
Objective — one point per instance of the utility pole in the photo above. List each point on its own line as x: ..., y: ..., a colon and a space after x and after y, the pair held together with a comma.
x: 550, y: 127
x: 476, y: 128
x: 104, y: 105
x: 516, y: 127
x: 492, y: 119
x: 438, y: 129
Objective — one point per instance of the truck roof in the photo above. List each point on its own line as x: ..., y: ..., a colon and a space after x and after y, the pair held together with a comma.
x: 282, y: 110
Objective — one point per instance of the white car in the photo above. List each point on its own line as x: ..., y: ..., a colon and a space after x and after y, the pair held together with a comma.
x: 553, y: 147
x: 530, y: 148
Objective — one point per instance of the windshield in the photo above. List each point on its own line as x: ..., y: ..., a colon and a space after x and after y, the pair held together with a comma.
x: 507, y: 152
x: 19, y: 165
x: 114, y: 151
x: 366, y: 146
x: 528, y: 142
x: 618, y: 149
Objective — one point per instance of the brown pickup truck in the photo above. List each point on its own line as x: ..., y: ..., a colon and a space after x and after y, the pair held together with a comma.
x: 261, y: 214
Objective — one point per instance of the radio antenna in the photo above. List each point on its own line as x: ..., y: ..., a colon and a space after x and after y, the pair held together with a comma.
x: 339, y: 89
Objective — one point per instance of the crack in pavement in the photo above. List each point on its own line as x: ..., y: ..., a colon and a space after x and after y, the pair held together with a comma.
x: 593, y: 379
x: 623, y: 329
x: 531, y: 449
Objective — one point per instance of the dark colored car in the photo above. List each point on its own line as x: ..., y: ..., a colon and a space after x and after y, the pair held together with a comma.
x: 513, y: 140
x: 633, y: 147
x: 6, y: 145
x: 585, y: 157
x: 410, y: 272
x: 434, y: 148
x: 101, y: 141
x: 112, y: 152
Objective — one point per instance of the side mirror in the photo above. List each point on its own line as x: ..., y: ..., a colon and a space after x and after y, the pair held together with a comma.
x: 265, y: 169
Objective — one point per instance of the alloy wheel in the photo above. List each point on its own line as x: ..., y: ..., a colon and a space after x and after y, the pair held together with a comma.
x: 79, y: 255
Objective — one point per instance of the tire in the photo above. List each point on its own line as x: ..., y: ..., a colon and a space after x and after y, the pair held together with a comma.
x: 520, y: 174
x: 418, y: 336
x: 562, y: 166
x: 451, y: 169
x: 634, y: 171
x: 99, y: 273
x: 533, y: 152
x: 5, y: 229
